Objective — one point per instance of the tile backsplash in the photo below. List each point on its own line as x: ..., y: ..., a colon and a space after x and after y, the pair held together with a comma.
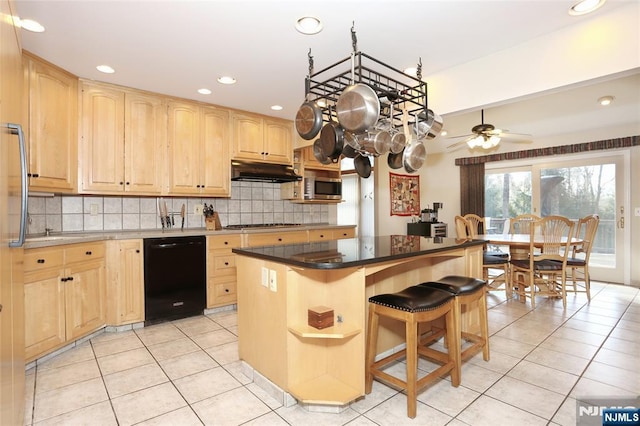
x: 250, y: 203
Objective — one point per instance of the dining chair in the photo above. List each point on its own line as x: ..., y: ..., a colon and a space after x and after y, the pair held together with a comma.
x: 462, y: 227
x: 521, y: 223
x: 544, y: 272
x: 578, y: 263
x: 495, y: 263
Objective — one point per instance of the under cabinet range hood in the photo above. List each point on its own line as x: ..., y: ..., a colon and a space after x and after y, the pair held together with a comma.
x: 262, y: 172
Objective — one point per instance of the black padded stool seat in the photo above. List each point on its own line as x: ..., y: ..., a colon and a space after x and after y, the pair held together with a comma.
x: 456, y: 284
x: 413, y: 299
x: 413, y: 306
x: 471, y: 293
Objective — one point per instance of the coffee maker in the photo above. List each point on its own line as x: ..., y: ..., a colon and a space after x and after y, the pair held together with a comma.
x: 431, y: 215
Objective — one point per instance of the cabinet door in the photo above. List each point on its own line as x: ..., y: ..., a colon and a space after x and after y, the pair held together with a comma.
x: 184, y: 148
x: 102, y: 143
x: 144, y: 143
x: 44, y: 316
x: 215, y: 160
x: 84, y: 298
x: 248, y: 137
x: 278, y: 141
x: 125, y: 272
x: 53, y: 127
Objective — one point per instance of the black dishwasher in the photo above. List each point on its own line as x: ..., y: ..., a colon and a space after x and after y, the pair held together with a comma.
x: 175, y: 278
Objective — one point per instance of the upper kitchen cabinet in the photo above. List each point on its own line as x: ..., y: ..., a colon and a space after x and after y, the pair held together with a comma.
x: 262, y: 139
x: 123, y: 141
x: 52, y: 129
x: 199, y: 162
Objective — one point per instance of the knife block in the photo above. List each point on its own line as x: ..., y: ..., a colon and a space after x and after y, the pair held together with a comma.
x: 212, y: 223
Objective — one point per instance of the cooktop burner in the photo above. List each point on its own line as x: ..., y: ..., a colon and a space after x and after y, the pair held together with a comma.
x: 262, y: 225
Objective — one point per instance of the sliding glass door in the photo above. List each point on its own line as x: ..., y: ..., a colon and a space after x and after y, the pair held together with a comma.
x: 574, y: 188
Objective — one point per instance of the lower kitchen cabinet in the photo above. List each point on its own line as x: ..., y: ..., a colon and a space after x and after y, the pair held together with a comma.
x: 64, y: 290
x: 221, y: 269
x: 327, y: 234
x: 125, y: 282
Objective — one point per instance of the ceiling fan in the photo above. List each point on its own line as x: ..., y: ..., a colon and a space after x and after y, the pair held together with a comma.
x: 485, y: 136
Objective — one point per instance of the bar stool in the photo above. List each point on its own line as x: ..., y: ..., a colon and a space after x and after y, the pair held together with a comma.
x: 466, y: 290
x: 413, y: 305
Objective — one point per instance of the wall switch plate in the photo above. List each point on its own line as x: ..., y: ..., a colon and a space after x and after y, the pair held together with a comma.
x: 273, y: 280
x: 265, y: 277
x: 93, y: 209
x: 198, y: 209
x: 637, y: 211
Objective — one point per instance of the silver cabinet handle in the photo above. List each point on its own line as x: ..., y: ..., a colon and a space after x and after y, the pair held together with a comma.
x: 16, y: 129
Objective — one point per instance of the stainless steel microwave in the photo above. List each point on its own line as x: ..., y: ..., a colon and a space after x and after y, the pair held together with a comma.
x: 321, y: 188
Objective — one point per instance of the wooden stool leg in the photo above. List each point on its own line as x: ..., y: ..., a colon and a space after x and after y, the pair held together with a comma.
x: 484, y: 324
x: 411, y: 327
x: 372, y: 343
x: 454, y: 334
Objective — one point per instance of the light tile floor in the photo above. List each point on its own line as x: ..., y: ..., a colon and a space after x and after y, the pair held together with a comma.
x: 188, y: 372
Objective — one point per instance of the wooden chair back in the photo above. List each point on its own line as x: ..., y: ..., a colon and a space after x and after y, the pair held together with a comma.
x: 555, y: 233
x: 522, y: 223
x: 462, y: 227
x: 476, y: 224
x: 586, y: 230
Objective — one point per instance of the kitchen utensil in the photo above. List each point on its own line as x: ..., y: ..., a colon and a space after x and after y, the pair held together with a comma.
x: 349, y: 151
x: 428, y: 126
x: 362, y: 165
x: 398, y: 138
x: 318, y: 152
x: 414, y: 153
x: 332, y: 139
x: 160, y: 213
x: 165, y: 212
x: 394, y: 160
x: 309, y: 120
x: 358, y: 108
x: 182, y: 212
x: 377, y: 142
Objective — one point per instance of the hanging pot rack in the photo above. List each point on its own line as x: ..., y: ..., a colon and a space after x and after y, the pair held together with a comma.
x: 391, y: 85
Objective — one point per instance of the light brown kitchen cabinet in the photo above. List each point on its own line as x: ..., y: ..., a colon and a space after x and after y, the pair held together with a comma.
x: 125, y: 282
x: 275, y: 238
x: 328, y: 234
x: 199, y: 162
x: 262, y: 138
x: 64, y: 295
x: 123, y: 140
x: 52, y: 130
x: 221, y: 269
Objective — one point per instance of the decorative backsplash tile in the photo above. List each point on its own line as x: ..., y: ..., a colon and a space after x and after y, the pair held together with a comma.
x: 250, y: 202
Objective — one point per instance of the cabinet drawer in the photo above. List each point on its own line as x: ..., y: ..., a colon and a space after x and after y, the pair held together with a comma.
x: 222, y: 289
x: 344, y: 233
x: 223, y: 264
x: 37, y: 259
x: 83, y: 252
x: 276, y: 238
x: 320, y: 234
x: 224, y: 241
x: 221, y: 292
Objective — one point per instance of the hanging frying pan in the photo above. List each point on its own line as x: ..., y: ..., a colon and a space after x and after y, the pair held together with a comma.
x: 394, y: 159
x: 309, y: 120
x: 332, y: 139
x: 362, y: 165
x: 349, y: 151
x: 318, y: 152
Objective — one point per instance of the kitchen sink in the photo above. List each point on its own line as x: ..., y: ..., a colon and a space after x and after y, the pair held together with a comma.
x: 50, y: 238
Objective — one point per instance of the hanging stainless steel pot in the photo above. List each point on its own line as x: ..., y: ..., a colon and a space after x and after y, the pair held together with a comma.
x: 309, y: 120
x: 358, y: 108
x: 398, y: 137
x: 349, y: 151
x: 428, y: 126
x: 377, y: 142
x: 413, y: 156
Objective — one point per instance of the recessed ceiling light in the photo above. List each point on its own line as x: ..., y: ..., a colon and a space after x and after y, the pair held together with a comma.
x: 276, y: 107
x: 226, y: 80
x: 309, y: 25
x: 605, y: 100
x: 105, y: 69
x: 204, y: 91
x: 31, y: 25
x: 585, y: 6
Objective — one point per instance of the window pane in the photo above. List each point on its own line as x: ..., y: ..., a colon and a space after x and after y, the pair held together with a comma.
x: 507, y: 194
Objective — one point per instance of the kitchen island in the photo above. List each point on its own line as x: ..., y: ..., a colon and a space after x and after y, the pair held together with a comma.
x: 277, y: 285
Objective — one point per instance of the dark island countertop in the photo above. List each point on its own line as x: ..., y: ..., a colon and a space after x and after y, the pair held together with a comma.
x: 350, y: 252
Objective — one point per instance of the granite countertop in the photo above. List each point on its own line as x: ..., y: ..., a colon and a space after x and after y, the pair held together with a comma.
x: 36, y: 241
x: 352, y: 252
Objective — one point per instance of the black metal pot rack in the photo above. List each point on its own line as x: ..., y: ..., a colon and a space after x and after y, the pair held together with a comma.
x: 390, y: 84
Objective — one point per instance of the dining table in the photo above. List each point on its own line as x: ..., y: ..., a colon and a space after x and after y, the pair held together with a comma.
x: 519, y: 244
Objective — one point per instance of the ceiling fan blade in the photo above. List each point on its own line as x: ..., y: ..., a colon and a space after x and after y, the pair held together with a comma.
x: 508, y: 134
x: 461, y: 136
x: 457, y: 145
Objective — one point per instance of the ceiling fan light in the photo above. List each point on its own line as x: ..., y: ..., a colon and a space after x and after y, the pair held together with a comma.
x: 475, y: 142
x: 494, y: 140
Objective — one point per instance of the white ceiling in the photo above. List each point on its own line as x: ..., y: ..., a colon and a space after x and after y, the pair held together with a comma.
x: 176, y: 47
